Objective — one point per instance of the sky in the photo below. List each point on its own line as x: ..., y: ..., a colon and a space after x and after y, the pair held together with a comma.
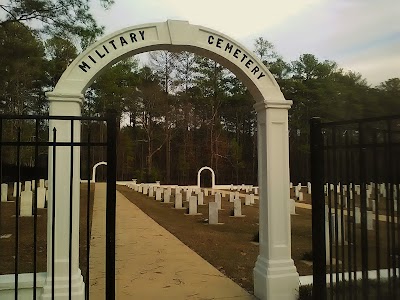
x: 360, y: 35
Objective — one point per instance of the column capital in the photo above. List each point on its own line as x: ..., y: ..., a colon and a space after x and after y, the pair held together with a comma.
x: 260, y: 106
x: 57, y: 96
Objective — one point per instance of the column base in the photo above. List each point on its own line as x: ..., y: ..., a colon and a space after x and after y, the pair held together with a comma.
x: 61, y: 287
x: 275, y: 280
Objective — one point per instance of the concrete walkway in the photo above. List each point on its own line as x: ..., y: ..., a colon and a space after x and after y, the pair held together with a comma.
x: 151, y: 263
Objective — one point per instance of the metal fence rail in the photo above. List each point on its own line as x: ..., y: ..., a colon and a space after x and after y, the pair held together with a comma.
x: 355, y: 170
x: 26, y: 143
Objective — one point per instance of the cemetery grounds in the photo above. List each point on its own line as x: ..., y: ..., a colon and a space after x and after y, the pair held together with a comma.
x: 230, y: 247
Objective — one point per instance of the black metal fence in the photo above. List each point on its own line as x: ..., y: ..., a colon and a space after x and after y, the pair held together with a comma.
x: 26, y: 143
x: 355, y: 171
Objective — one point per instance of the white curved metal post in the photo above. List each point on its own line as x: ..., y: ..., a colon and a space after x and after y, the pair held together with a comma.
x: 212, y: 176
x: 94, y: 169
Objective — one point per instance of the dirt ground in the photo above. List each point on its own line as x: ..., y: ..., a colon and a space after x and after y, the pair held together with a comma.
x: 26, y: 233
x: 228, y: 247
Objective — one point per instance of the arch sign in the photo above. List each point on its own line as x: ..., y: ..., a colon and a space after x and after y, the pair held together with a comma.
x: 275, y: 276
x: 94, y: 170
x: 212, y: 176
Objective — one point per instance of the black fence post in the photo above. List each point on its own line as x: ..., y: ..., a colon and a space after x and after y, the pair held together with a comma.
x: 111, y: 203
x: 318, y: 210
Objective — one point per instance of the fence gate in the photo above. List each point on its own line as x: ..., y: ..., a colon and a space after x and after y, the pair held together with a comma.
x: 39, y: 241
x: 355, y: 172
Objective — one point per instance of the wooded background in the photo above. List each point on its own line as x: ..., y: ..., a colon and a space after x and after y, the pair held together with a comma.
x: 178, y: 112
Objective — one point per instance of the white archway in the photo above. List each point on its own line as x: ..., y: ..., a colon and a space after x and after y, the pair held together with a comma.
x: 212, y: 176
x: 94, y: 170
x: 275, y: 276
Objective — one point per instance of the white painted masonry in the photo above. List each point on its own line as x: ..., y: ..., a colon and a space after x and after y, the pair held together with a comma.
x: 275, y: 276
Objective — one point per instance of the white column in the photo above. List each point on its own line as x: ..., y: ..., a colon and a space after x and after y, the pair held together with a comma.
x: 275, y: 275
x: 64, y: 105
x: 4, y: 192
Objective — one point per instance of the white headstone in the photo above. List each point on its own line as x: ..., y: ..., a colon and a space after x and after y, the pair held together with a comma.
x: 41, y: 197
x: 213, y: 213
x: 41, y: 183
x: 296, y: 191
x: 339, y: 225
x: 178, y: 200
x: 188, y: 194
x: 231, y: 187
x: 247, y: 200
x: 256, y: 191
x: 167, y: 197
x: 4, y: 192
x: 292, y: 205
x: 370, y: 220
x: 357, y: 215
x: 231, y: 196
x: 158, y: 194
x: 237, y: 208
x: 301, y: 197
x: 140, y: 188
x: 357, y: 189
x: 309, y: 188
x: 369, y: 192
x: 200, y: 199
x: 373, y: 205
x: 192, y: 205
x: 252, y: 199
x: 15, y: 189
x: 145, y: 189
x: 46, y: 184
x: 28, y: 186
x: 218, y: 200
x: 237, y: 195
x: 26, y: 204
x: 327, y: 238
x: 151, y: 192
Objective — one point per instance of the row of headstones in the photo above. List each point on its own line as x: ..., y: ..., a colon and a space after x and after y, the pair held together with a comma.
x: 164, y: 194
x: 246, y: 188
x: 297, y: 190
x: 342, y: 188
x: 26, y: 195
x: 370, y: 189
x: 356, y: 217
x: 371, y: 203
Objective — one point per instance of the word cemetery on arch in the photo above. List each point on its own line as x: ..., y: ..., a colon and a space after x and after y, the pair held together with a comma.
x: 238, y: 54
